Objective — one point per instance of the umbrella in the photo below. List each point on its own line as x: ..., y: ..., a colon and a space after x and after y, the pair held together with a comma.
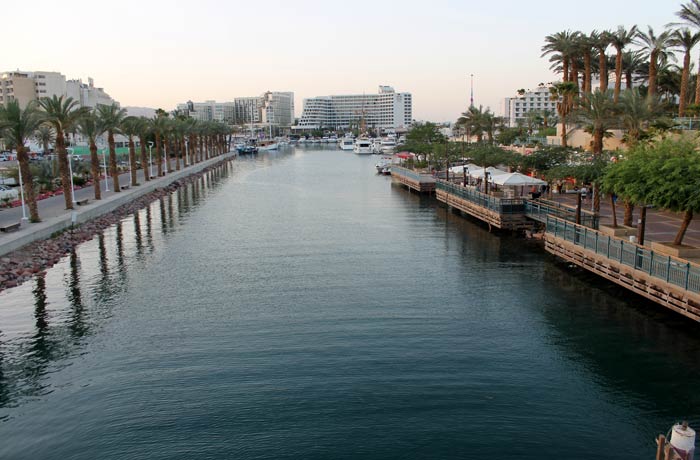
x: 405, y: 155
x: 479, y: 173
x: 516, y: 179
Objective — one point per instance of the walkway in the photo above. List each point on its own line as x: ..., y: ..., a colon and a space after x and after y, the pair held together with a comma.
x: 56, y: 217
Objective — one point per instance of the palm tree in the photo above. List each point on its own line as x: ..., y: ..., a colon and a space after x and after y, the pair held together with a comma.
x: 635, y: 113
x: 600, y: 41
x: 585, y: 45
x: 563, y: 93
x: 159, y: 125
x: 62, y: 114
x: 111, y: 117
x: 17, y: 126
x: 686, y: 40
x: 620, y: 39
x: 90, y: 126
x: 144, y: 128
x: 473, y: 121
x: 634, y: 65
x: 597, y: 112
x: 562, y: 47
x: 690, y: 14
x: 655, y: 48
x: 45, y: 135
x: 130, y: 128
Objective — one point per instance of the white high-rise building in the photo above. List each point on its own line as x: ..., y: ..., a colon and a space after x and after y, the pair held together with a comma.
x: 270, y: 109
x: 516, y: 108
x: 384, y: 110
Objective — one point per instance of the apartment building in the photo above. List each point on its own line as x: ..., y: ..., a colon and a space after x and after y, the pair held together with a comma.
x: 29, y: 86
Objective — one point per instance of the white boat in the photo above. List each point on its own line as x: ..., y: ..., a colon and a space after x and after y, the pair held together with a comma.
x: 388, y: 145
x: 268, y: 145
x: 376, y: 146
x: 346, y: 143
x: 363, y: 146
x: 382, y: 165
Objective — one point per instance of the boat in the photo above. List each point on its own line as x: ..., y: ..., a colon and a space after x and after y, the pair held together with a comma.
x: 388, y: 144
x: 362, y: 146
x: 376, y: 146
x: 246, y: 149
x: 268, y: 145
x: 346, y: 143
x: 383, y: 165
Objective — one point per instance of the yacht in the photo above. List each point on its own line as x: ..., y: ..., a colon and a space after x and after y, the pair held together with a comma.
x: 384, y: 166
x: 363, y: 146
x: 346, y: 143
x: 268, y: 145
x: 388, y: 145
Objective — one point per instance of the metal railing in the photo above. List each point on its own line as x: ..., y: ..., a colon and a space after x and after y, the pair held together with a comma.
x: 540, y: 210
x: 415, y: 175
x: 500, y: 205
x: 678, y: 272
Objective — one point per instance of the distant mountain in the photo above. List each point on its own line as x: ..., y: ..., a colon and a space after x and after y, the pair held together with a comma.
x: 141, y: 112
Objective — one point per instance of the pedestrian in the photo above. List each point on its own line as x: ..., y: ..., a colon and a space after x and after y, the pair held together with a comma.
x: 583, y: 192
x: 590, y: 192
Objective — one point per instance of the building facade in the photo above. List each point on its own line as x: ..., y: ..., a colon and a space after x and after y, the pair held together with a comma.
x: 516, y: 108
x: 385, y: 110
x: 272, y: 108
x: 29, y: 86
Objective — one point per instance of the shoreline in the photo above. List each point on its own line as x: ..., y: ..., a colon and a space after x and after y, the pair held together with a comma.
x: 20, y: 265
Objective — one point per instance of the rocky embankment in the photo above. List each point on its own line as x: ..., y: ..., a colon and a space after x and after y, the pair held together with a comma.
x: 21, y: 265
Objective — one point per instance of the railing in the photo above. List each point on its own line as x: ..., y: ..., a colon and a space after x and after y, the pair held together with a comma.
x: 500, y: 205
x: 683, y: 274
x: 420, y: 177
x: 540, y: 210
x: 687, y: 123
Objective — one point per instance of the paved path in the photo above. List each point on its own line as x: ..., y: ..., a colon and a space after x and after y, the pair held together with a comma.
x: 661, y: 225
x: 56, y: 217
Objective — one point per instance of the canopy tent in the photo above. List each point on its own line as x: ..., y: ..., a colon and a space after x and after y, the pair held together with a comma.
x: 493, y: 172
x: 460, y: 169
x: 516, y: 179
x: 405, y: 155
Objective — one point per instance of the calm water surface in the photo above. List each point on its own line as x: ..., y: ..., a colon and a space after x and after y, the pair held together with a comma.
x: 296, y: 305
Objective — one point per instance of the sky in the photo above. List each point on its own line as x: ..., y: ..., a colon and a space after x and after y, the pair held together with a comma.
x: 159, y: 53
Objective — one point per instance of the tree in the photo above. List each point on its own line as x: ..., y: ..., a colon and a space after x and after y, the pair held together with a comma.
x: 686, y: 40
x: 600, y: 41
x: 159, y: 125
x: 620, y: 38
x: 561, y: 47
x: 130, y: 128
x: 633, y: 64
x: 143, y: 126
x: 90, y: 127
x: 655, y: 48
x: 663, y: 174
x: 45, y: 135
x: 597, y: 112
x: 636, y: 113
x: 563, y: 93
x: 690, y: 14
x: 111, y: 117
x: 17, y: 126
x: 422, y: 139
x: 62, y: 114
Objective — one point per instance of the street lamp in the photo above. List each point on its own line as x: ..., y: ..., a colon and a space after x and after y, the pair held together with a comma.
x: 150, y: 159
x: 21, y: 191
x: 165, y: 158
x: 70, y: 170
x: 104, y: 166
x: 187, y: 154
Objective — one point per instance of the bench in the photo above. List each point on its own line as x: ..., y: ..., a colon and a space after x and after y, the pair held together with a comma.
x: 82, y: 202
x: 10, y: 228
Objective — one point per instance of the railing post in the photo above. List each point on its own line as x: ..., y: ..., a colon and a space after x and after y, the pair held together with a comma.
x: 596, y: 242
x: 585, y: 237
x: 668, y: 268
x: 651, y: 261
x: 687, y: 275
x: 608, y: 248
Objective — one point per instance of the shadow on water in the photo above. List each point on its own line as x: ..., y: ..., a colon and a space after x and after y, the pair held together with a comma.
x: 81, y: 293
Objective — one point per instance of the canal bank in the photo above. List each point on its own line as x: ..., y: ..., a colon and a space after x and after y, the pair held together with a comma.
x: 36, y: 247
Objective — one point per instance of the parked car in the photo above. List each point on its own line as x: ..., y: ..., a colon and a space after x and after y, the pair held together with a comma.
x: 8, y: 193
x: 4, y: 157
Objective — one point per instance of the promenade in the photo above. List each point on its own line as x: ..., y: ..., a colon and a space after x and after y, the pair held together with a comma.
x: 55, y: 217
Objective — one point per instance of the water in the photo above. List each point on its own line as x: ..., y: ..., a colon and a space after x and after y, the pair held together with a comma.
x: 297, y: 305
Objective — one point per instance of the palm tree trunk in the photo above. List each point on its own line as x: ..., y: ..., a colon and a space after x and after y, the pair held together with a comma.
x: 603, y: 69
x: 697, y: 86
x: 652, y: 73
x: 629, y: 211
x: 684, y: 84
x: 113, y: 162
x: 178, y: 153
x: 27, y: 182
x: 64, y: 169
x: 597, y: 141
x: 159, y: 154
x: 574, y: 72
x: 587, y: 71
x: 614, y: 211
x: 95, y: 170
x: 564, y: 141
x: 618, y: 75
x: 596, y: 198
x: 132, y: 161
x: 687, y: 217
x: 628, y: 79
x: 565, y: 67
x: 144, y: 159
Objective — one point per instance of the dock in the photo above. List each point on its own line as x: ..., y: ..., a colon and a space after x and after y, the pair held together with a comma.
x: 413, y: 180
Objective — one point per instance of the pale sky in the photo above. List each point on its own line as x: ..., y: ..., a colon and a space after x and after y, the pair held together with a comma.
x: 158, y: 53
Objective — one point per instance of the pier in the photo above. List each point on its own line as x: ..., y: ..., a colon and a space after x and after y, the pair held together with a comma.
x: 414, y: 180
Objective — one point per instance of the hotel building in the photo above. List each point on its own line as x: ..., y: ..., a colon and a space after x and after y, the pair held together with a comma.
x: 516, y: 108
x: 29, y: 86
x: 384, y: 110
x: 272, y: 108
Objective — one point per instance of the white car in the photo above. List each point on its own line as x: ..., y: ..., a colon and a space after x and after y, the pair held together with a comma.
x: 8, y: 192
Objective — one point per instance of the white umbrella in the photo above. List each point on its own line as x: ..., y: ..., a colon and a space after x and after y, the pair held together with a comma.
x: 516, y: 179
x: 493, y: 172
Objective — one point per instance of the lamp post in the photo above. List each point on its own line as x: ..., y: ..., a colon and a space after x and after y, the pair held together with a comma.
x: 21, y: 191
x: 70, y: 170
x: 165, y: 158
x: 104, y: 166
x: 150, y: 159
x: 187, y: 154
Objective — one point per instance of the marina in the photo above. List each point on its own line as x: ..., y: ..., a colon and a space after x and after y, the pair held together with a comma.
x: 292, y: 333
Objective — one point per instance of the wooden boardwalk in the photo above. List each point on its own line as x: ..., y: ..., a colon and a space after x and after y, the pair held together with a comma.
x: 419, y: 182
